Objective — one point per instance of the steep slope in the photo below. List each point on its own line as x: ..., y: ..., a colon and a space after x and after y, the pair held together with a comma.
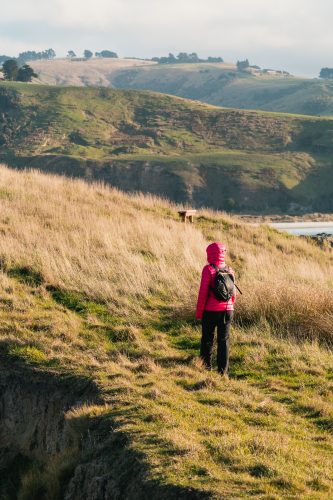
x: 187, y: 151
x: 105, y: 369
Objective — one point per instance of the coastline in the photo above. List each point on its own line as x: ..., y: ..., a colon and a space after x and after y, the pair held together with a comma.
x: 285, y: 218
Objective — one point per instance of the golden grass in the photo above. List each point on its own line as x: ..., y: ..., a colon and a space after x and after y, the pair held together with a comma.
x: 93, y: 239
x: 266, y: 432
x: 113, y: 248
x: 94, y: 72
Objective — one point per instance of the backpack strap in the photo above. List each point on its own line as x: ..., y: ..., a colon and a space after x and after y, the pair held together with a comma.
x: 217, y: 270
x: 224, y: 270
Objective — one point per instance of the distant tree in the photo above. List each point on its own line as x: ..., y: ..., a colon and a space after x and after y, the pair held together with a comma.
x: 4, y: 58
x: 107, y: 54
x: 88, y: 54
x: 10, y: 69
x: 193, y: 57
x: 242, y: 65
x: 32, y: 55
x: 25, y: 74
x: 71, y: 54
x: 185, y: 58
x: 49, y: 54
x: 170, y: 59
x: 214, y: 59
x: 326, y: 73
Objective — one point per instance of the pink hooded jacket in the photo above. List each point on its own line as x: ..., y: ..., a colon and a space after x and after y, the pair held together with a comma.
x: 206, y: 299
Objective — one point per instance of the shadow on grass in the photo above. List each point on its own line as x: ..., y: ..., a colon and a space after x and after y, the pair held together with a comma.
x: 26, y: 275
x: 125, y: 470
x: 34, y: 402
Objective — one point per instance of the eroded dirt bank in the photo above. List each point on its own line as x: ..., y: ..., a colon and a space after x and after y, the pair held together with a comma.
x: 34, y: 430
x: 52, y: 449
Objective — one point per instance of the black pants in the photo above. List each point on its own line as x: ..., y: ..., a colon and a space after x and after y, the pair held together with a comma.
x: 210, y: 320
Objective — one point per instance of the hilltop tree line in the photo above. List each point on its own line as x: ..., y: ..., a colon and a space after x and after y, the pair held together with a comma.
x: 88, y: 54
x: 242, y: 65
x: 48, y: 54
x: 181, y: 58
x: 32, y: 55
x: 17, y: 69
x: 29, y: 55
x: 184, y: 57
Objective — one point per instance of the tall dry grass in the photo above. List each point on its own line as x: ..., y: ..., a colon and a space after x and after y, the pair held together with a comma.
x: 288, y: 282
x: 238, y: 434
x: 93, y: 239
x: 121, y: 249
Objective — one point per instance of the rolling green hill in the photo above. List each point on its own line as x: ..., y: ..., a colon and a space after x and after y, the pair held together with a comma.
x: 190, y: 152
x: 221, y: 86
x: 102, y: 394
x: 218, y: 84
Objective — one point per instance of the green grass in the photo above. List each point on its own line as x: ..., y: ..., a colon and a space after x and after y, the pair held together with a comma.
x: 29, y: 354
x: 192, y: 153
x: 266, y: 433
x: 226, y: 87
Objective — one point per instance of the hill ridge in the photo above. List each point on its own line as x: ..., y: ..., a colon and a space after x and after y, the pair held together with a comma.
x: 219, y: 84
x: 261, y: 161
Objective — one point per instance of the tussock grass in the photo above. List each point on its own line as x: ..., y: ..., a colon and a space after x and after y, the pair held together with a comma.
x: 128, y: 250
x: 103, y: 285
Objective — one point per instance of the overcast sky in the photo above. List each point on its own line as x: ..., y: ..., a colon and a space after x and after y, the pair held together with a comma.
x: 294, y: 35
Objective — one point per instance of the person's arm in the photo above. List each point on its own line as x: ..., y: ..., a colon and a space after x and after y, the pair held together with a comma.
x: 203, y: 292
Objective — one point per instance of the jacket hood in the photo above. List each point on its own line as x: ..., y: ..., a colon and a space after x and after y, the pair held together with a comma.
x: 216, y: 254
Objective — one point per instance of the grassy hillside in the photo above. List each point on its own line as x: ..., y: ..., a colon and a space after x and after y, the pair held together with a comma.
x: 94, y: 72
x: 156, y: 424
x: 187, y: 151
x: 218, y: 84
x: 222, y: 86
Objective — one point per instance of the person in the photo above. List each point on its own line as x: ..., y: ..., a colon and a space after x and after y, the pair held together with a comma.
x: 213, y: 312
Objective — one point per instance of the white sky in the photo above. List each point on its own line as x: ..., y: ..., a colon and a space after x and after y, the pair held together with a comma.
x: 295, y: 35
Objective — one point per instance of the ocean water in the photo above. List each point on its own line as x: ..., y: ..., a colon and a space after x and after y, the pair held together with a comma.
x: 304, y: 228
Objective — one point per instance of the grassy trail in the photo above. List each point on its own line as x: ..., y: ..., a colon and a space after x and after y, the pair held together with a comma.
x: 240, y: 437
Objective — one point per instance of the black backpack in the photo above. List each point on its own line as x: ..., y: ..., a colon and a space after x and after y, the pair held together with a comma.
x: 224, y: 284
